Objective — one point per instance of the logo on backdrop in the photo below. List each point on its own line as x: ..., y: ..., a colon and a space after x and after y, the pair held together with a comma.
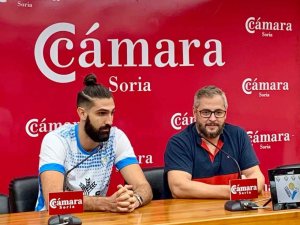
x: 24, y: 4
x: 34, y: 126
x: 267, y: 28
x: 180, y: 120
x: 137, y: 85
x: 263, y: 88
x: 164, y: 50
x: 264, y: 140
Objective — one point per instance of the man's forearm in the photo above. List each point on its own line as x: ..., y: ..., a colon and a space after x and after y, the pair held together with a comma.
x: 194, y: 189
x: 95, y: 203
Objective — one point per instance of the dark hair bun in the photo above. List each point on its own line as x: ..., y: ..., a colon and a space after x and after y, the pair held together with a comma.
x: 90, y: 80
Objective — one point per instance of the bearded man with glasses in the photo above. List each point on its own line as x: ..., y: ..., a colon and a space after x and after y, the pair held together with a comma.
x: 202, y: 159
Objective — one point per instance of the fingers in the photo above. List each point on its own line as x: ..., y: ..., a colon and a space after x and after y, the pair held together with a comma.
x: 124, y: 193
x: 124, y: 198
x: 127, y: 187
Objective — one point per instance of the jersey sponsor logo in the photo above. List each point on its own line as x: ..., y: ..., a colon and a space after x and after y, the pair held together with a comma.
x: 88, y: 187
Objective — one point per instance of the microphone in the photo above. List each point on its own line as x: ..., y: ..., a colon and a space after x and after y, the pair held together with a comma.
x: 227, y: 155
x: 67, y: 218
x: 235, y: 205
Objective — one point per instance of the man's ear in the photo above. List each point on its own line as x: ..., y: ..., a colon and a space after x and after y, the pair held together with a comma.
x: 194, y: 112
x: 81, y: 113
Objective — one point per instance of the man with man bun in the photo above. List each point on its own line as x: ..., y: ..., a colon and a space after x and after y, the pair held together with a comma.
x: 65, y: 147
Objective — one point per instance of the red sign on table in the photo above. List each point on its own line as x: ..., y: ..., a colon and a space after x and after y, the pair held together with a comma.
x: 243, y: 189
x: 65, y: 202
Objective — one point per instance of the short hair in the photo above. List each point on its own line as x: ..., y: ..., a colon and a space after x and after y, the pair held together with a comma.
x: 209, y: 92
x: 92, y: 90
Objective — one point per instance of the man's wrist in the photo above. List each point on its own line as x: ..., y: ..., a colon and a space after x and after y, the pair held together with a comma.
x: 139, y: 199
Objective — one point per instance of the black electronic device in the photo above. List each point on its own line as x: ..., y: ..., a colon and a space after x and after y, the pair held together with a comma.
x: 285, y: 187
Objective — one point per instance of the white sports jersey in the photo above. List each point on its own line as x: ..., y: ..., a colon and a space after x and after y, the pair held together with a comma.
x: 61, y: 151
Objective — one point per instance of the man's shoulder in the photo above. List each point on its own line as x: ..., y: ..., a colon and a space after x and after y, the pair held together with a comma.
x: 186, y: 133
x: 231, y: 129
x: 64, y: 131
x: 115, y: 131
x: 116, y: 135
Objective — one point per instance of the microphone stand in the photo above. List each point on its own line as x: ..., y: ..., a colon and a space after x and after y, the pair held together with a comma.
x: 234, y: 205
x: 78, y: 164
x: 67, y: 218
x: 227, y: 155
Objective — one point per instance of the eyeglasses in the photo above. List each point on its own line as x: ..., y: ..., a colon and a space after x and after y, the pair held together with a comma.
x: 207, y: 113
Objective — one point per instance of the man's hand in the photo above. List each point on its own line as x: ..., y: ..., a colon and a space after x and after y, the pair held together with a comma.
x: 123, y: 199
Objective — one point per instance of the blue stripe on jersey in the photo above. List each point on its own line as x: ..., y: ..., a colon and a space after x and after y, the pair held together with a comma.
x: 53, y: 167
x: 40, y: 201
x: 125, y: 162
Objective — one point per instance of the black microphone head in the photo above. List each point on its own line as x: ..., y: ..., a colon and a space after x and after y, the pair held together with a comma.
x: 234, y: 205
x: 239, y: 205
x: 64, y: 219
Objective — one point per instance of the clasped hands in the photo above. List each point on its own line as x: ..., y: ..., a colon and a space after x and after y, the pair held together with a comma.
x: 124, y: 200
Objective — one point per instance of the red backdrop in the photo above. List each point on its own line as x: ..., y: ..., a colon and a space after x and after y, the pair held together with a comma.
x: 153, y: 55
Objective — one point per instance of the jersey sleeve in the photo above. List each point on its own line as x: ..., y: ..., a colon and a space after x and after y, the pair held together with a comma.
x: 52, y: 154
x: 124, y: 152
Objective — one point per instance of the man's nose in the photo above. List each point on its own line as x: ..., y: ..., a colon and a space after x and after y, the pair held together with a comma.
x: 109, y: 119
x: 212, y: 116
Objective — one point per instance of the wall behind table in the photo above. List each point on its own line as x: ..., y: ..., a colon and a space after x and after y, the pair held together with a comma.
x: 248, y: 48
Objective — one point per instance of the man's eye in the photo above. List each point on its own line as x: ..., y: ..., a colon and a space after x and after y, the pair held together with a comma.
x: 205, y: 112
x: 218, y: 113
x: 102, y: 113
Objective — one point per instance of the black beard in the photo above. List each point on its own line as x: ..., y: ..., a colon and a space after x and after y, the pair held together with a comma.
x: 94, y: 134
x: 208, y: 135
